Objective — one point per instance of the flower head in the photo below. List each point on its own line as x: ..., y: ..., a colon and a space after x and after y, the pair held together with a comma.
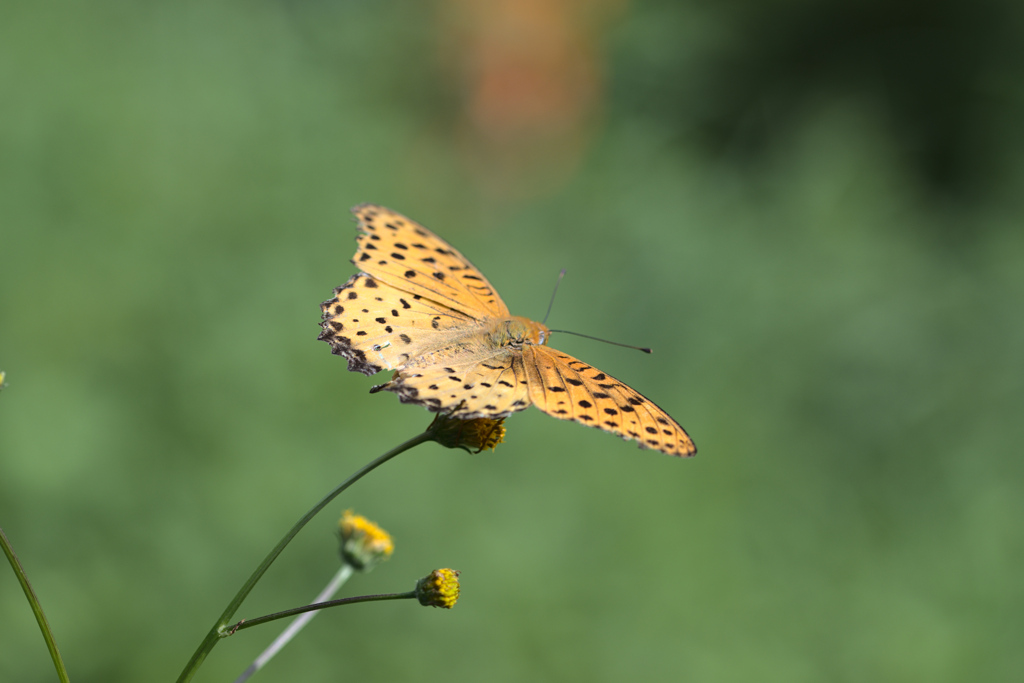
x: 440, y: 588
x: 363, y: 543
x: 481, y: 433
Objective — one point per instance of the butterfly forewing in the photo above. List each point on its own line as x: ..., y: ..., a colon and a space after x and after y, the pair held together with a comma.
x: 569, y: 389
x: 407, y: 256
x: 377, y: 327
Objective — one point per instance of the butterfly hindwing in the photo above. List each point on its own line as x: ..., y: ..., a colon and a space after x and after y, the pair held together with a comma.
x: 466, y: 386
x: 569, y: 389
x: 404, y: 254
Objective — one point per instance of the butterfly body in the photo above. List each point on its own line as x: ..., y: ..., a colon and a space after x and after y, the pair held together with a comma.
x: 420, y: 309
x: 516, y: 331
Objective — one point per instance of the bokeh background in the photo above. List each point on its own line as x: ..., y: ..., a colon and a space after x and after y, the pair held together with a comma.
x: 812, y: 211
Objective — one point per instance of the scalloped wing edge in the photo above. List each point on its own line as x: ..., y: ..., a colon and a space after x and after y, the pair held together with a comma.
x: 340, y: 344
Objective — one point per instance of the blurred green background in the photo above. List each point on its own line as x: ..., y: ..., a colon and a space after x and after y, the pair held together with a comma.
x: 812, y: 212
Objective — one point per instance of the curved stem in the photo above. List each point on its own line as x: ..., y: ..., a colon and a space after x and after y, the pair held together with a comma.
x: 246, y: 623
x: 37, y: 608
x: 218, y: 629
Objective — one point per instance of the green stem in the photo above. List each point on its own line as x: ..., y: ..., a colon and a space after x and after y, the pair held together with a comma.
x: 218, y: 629
x: 37, y: 608
x: 246, y: 623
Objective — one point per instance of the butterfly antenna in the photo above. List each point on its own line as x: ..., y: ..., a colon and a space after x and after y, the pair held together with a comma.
x: 628, y: 346
x: 561, y: 274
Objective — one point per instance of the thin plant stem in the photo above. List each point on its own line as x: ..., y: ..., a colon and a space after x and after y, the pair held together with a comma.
x: 218, y: 630
x: 300, y: 622
x: 315, y: 607
x: 37, y: 608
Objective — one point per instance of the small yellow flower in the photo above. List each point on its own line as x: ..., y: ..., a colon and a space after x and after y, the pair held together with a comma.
x: 2, y: 376
x: 440, y: 588
x: 363, y: 543
x: 480, y: 433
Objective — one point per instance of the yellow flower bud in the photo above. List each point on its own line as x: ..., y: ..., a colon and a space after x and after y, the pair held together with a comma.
x: 363, y: 543
x: 478, y: 433
x: 439, y: 589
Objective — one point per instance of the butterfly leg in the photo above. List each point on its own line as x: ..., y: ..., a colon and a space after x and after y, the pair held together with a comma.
x: 387, y: 386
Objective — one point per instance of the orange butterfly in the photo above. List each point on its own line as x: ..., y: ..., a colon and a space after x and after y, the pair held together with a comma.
x: 418, y: 307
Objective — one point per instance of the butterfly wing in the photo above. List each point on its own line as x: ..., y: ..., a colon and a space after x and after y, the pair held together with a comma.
x: 467, y: 383
x: 415, y: 295
x: 405, y: 255
x: 569, y: 389
x: 416, y: 308
x: 377, y: 327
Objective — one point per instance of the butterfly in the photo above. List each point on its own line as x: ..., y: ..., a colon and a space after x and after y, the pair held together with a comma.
x: 419, y: 308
